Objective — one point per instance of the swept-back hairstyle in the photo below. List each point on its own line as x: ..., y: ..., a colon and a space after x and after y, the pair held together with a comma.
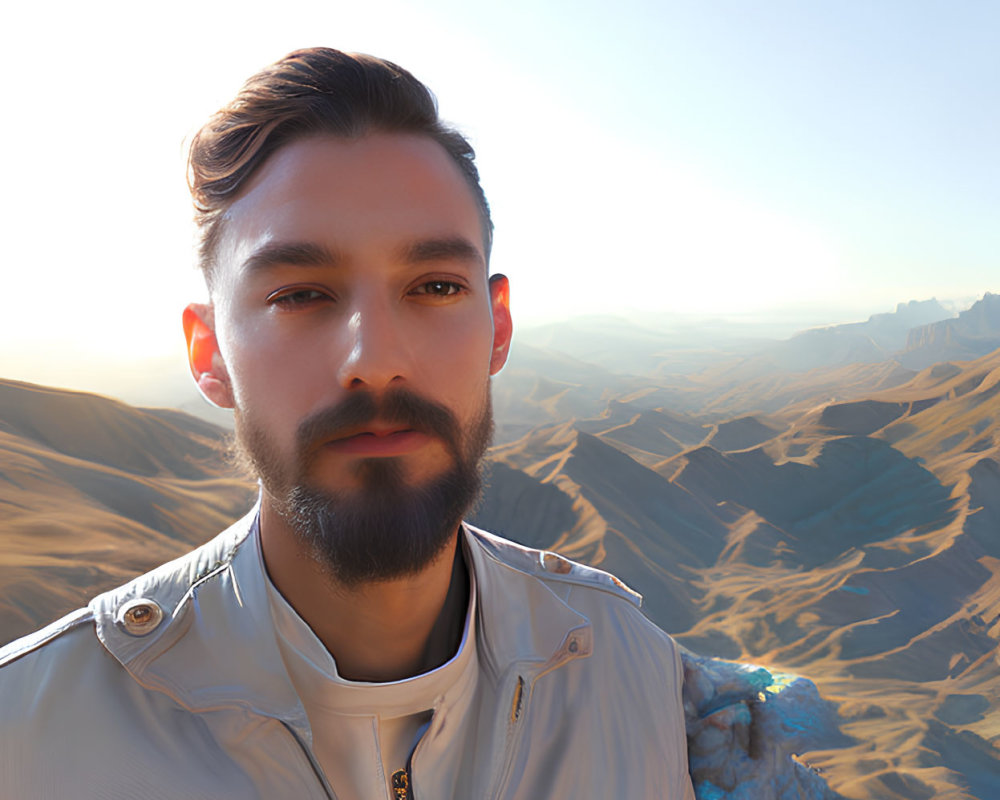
x: 307, y: 93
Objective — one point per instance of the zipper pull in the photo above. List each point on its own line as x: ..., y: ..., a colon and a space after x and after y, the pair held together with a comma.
x: 518, y: 701
x: 401, y: 785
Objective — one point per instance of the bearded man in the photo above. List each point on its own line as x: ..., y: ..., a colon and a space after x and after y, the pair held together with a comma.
x: 351, y: 637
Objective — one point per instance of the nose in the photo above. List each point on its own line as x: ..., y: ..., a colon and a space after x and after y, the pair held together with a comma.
x: 376, y: 351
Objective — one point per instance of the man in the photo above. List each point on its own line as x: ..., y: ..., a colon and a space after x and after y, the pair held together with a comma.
x: 350, y: 637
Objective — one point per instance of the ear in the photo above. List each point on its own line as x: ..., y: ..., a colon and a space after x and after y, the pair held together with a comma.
x: 206, y: 362
x: 503, y: 327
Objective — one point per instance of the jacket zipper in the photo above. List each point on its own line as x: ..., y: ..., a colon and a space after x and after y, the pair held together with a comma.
x: 517, y: 703
x: 401, y: 784
x: 522, y: 691
x: 401, y: 780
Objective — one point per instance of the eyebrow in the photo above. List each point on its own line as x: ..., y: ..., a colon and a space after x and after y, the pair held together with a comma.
x: 311, y: 254
x: 452, y: 248
x: 292, y: 254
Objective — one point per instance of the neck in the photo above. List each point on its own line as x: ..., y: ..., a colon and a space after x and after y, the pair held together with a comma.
x: 378, y: 631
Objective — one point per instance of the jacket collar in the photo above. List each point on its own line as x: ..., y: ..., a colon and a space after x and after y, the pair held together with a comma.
x: 216, y: 644
x: 523, y: 621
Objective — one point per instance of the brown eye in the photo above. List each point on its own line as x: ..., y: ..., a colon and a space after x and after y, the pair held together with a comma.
x: 439, y: 288
x: 290, y: 300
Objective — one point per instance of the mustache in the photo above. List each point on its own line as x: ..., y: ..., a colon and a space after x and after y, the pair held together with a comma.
x: 399, y: 406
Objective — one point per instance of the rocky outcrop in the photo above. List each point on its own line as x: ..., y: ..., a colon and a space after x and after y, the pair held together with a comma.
x: 974, y: 333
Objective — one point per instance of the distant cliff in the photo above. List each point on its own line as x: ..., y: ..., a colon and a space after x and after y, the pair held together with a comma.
x: 974, y: 333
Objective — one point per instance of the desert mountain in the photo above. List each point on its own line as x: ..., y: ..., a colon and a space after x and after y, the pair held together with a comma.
x: 94, y: 492
x: 673, y: 346
x: 649, y: 345
x: 564, y: 371
x: 974, y: 333
x: 874, y: 340
x: 853, y: 537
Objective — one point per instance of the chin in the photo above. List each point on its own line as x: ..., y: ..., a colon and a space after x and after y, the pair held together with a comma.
x: 386, y: 528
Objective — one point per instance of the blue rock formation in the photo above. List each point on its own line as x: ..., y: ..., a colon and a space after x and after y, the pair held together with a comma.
x: 744, y: 724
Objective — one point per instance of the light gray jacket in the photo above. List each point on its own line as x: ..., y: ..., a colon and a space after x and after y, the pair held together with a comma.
x: 182, y: 692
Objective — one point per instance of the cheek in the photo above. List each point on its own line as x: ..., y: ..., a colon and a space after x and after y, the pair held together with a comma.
x: 464, y: 343
x: 457, y: 365
x: 269, y: 375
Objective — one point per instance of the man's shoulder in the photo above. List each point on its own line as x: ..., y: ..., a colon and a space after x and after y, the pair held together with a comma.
x: 580, y: 610
x: 32, y: 642
x: 43, y: 669
x: 551, y: 567
x: 65, y: 699
x: 169, y: 583
x: 157, y: 592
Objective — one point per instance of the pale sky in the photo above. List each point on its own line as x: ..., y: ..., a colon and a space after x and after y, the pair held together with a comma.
x: 702, y: 157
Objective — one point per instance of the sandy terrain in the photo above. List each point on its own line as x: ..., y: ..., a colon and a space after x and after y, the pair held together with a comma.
x: 856, y: 542
x: 94, y: 492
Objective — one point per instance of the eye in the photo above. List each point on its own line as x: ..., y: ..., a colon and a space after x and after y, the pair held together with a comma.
x: 439, y: 289
x: 295, y: 298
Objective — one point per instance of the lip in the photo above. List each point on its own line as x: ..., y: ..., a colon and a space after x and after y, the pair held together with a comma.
x: 379, y: 442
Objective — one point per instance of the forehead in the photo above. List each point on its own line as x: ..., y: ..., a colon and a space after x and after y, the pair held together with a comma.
x: 354, y: 196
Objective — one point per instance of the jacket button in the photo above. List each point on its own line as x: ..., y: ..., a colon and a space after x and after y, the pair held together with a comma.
x: 139, y: 617
x: 555, y: 563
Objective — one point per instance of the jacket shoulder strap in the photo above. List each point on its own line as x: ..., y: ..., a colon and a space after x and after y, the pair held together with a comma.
x: 551, y: 566
x: 28, y: 644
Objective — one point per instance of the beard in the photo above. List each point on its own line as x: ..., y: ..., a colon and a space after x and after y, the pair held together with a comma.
x: 386, y: 527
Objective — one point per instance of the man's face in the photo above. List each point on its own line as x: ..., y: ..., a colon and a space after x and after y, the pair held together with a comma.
x: 356, y: 326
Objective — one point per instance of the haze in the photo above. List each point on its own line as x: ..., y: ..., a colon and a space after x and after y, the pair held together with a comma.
x: 793, y: 163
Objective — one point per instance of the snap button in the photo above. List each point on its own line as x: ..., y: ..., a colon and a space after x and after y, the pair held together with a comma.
x: 555, y: 563
x: 140, y: 616
x: 574, y: 645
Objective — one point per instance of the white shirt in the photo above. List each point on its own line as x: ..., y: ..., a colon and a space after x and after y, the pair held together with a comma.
x: 363, y: 732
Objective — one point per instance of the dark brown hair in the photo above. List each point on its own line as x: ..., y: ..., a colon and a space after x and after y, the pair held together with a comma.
x: 307, y: 93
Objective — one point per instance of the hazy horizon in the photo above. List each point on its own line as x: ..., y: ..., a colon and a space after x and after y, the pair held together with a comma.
x: 710, y: 159
x: 127, y: 377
